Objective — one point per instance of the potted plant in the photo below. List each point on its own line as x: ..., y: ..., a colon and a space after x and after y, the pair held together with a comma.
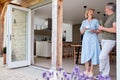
x: 4, y: 55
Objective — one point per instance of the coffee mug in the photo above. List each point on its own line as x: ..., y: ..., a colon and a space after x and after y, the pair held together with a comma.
x: 87, y: 27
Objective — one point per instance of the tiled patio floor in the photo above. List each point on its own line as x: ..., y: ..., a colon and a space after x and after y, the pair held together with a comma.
x: 32, y: 73
x: 25, y: 73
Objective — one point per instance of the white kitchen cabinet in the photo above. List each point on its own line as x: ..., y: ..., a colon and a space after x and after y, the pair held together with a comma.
x: 43, y: 48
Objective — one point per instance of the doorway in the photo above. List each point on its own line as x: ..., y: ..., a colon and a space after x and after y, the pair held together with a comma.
x: 42, y: 36
x: 68, y: 13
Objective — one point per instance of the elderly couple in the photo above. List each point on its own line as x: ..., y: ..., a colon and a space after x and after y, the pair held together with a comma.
x: 91, y: 53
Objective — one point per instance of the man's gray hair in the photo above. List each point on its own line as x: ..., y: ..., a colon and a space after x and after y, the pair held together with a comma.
x: 112, y: 6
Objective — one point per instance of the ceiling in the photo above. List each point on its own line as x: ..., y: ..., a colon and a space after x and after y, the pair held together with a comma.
x: 16, y: 1
x: 73, y: 10
x: 23, y: 3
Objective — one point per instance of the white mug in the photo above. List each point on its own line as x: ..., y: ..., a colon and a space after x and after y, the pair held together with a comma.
x: 88, y: 27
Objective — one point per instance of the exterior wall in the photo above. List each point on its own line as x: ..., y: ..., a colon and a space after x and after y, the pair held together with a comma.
x: 19, y: 35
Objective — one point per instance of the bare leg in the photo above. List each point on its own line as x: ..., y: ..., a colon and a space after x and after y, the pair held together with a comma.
x: 91, y: 70
x: 87, y: 68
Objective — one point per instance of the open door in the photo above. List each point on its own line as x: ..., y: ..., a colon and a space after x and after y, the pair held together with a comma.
x: 18, y: 25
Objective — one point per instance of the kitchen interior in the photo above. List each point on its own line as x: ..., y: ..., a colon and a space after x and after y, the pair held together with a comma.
x: 72, y: 18
x: 43, y: 36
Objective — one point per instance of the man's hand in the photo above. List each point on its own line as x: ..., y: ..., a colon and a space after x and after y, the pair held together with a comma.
x: 101, y: 28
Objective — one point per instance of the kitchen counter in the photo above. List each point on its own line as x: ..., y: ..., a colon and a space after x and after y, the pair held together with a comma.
x: 43, y: 49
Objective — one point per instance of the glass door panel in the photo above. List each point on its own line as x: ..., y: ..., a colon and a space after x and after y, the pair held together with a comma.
x: 19, y: 36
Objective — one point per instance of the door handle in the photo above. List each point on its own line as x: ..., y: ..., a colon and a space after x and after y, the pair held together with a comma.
x: 10, y: 37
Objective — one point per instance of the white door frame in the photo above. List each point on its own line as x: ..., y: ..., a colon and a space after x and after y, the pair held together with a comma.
x: 32, y: 37
x: 118, y: 40
x: 26, y: 62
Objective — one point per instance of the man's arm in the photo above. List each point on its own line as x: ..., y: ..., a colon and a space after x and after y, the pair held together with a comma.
x: 111, y: 30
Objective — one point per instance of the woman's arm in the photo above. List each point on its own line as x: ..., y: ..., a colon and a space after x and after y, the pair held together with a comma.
x: 83, y: 30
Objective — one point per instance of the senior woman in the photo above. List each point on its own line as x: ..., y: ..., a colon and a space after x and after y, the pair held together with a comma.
x: 90, y: 42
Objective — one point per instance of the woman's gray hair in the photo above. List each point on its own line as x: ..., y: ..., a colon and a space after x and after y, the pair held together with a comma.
x: 112, y: 6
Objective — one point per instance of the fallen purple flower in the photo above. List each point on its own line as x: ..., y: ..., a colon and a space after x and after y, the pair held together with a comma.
x: 44, y: 74
x: 65, y: 74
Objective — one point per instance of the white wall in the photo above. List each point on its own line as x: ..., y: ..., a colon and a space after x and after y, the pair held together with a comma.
x: 68, y: 28
x: 5, y: 32
x: 39, y: 23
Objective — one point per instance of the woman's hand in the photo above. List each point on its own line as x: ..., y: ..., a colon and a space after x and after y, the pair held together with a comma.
x: 93, y: 31
x: 83, y: 30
